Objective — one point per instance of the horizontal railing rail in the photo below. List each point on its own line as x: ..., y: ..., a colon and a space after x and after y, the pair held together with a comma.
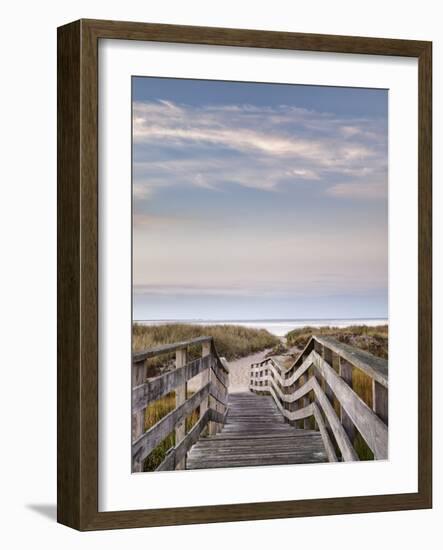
x: 319, y: 389
x: 169, y: 348
x: 375, y: 367
x: 210, y: 399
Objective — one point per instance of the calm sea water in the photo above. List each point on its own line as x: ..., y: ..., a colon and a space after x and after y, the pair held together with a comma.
x: 279, y: 327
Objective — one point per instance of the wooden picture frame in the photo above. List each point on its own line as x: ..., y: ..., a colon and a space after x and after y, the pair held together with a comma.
x: 78, y: 274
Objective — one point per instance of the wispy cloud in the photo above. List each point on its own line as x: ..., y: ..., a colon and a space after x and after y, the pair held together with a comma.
x: 259, y: 210
x: 257, y: 147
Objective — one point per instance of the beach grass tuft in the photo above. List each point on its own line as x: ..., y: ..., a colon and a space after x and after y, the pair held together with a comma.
x: 231, y: 341
x: 371, y: 339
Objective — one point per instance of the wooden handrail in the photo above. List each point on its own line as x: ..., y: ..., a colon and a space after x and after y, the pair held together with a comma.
x: 290, y: 391
x: 211, y: 399
x: 157, y: 387
x: 375, y: 367
x: 140, y: 356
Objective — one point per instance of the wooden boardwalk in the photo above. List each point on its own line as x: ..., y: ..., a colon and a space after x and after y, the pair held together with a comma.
x: 310, y: 412
x: 256, y: 434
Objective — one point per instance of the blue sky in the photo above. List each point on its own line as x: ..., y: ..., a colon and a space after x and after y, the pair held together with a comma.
x: 258, y: 200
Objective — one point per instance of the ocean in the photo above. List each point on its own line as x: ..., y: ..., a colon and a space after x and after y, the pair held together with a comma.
x: 279, y: 327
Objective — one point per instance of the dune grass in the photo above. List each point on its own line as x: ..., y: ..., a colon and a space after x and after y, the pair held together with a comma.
x: 371, y: 339
x: 231, y: 341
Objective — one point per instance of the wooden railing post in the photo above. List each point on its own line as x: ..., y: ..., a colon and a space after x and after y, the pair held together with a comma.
x: 138, y: 418
x: 305, y: 401
x: 300, y: 403
x: 180, y: 398
x: 204, y: 405
x: 225, y: 393
x: 380, y: 401
x: 345, y: 372
x: 212, y: 426
x: 327, y: 356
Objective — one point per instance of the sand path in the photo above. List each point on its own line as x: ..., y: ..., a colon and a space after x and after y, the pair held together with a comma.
x: 239, y: 370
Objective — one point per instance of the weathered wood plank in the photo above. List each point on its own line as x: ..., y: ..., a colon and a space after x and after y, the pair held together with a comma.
x: 180, y: 398
x: 327, y: 355
x: 261, y: 461
x: 218, y: 391
x: 206, y: 355
x: 289, y: 434
x: 212, y: 427
x: 155, y: 388
x: 138, y: 373
x: 138, y: 414
x: 138, y: 428
x: 330, y: 451
x: 342, y: 439
x: 345, y: 372
x: 211, y: 443
x: 380, y: 401
x: 268, y: 456
x: 168, y: 348
x: 375, y: 367
x: 300, y: 447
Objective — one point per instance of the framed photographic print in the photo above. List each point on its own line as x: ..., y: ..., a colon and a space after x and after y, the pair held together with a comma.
x: 244, y: 274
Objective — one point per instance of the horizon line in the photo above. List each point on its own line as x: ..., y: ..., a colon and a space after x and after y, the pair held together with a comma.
x: 381, y: 318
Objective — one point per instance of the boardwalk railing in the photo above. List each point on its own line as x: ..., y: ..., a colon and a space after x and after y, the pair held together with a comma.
x: 318, y: 392
x: 210, y: 398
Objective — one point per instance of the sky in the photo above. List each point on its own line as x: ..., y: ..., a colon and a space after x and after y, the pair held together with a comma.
x: 259, y: 201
